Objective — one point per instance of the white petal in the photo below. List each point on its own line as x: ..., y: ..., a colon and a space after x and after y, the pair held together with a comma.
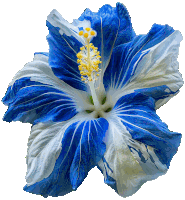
x: 125, y: 166
x: 56, y: 19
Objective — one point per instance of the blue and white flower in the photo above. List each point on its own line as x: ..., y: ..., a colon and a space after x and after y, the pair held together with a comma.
x: 92, y: 101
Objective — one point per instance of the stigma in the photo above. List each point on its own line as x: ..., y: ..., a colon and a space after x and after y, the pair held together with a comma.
x: 88, y: 57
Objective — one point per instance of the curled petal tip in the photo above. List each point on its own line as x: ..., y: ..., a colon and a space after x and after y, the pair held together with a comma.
x: 122, y: 11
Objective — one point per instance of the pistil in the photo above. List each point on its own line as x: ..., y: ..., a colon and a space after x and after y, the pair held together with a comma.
x: 88, y: 57
x: 94, y: 96
x: 89, y: 60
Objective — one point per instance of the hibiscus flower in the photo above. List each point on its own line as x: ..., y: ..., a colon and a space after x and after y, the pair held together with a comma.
x: 92, y: 101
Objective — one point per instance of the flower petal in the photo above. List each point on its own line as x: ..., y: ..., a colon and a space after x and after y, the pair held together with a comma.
x: 67, y: 152
x: 64, y: 44
x: 137, y: 113
x: 90, y: 149
x: 139, y: 146
x: 148, y: 65
x: 36, y: 95
x: 126, y: 32
x: 113, y: 27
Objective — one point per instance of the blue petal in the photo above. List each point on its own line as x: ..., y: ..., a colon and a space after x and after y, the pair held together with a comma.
x: 113, y: 27
x: 126, y: 57
x: 137, y: 113
x: 157, y: 93
x: 120, y: 13
x: 62, y: 57
x: 82, y: 148
x: 34, y: 102
x: 126, y: 32
x: 89, y: 151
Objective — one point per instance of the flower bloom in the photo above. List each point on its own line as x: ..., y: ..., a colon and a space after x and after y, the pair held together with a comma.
x: 92, y: 101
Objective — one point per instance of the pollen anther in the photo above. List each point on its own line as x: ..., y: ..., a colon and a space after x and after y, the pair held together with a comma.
x: 81, y: 33
x: 88, y: 29
x: 92, y: 33
x: 86, y: 35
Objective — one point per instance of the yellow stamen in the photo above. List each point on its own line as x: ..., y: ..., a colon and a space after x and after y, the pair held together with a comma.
x: 81, y: 33
x: 79, y: 55
x: 87, y: 29
x: 80, y: 67
x: 92, y: 33
x: 86, y: 35
x: 82, y: 48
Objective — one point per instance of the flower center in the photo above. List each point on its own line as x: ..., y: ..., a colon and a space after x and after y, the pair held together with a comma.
x: 106, y: 107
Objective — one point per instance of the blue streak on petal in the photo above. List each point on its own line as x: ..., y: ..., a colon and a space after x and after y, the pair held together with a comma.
x: 43, y: 53
x: 62, y: 57
x: 108, y: 180
x: 139, y: 153
x: 125, y: 57
x: 35, y: 102
x: 89, y: 151
x: 111, y: 182
x: 159, y: 92
x: 107, y: 164
x: 137, y: 113
x: 151, y: 158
